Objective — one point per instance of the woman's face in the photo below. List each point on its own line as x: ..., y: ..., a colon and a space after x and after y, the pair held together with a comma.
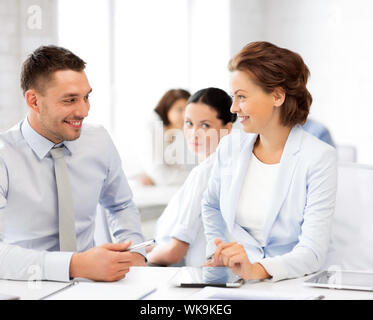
x: 176, y: 114
x: 202, y: 129
x: 256, y: 109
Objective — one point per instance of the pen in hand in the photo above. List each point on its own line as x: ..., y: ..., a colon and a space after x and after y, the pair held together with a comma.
x: 141, y: 245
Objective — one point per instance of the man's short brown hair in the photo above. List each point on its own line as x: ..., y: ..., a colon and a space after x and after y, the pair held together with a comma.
x: 274, y: 67
x: 43, y: 62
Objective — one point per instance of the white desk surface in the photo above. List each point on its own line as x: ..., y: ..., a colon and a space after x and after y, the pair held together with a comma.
x: 140, y: 280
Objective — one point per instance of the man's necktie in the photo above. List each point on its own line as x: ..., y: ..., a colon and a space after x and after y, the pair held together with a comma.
x: 66, y: 217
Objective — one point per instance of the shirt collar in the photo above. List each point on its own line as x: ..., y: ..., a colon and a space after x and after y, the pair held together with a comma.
x: 39, y: 144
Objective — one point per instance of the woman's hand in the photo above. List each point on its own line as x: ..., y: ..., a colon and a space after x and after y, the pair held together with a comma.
x: 146, y: 180
x: 233, y: 255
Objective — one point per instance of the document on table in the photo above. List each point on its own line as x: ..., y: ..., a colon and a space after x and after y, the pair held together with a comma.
x: 139, y: 283
x: 249, y: 294
x: 102, y: 291
x: 31, y: 290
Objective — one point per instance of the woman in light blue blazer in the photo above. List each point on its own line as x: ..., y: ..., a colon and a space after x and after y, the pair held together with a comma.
x: 268, y: 208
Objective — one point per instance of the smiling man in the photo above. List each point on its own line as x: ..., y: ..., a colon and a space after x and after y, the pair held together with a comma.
x: 54, y: 171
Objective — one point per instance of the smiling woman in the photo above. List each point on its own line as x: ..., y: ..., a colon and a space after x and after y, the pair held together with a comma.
x: 273, y: 186
x: 271, y: 71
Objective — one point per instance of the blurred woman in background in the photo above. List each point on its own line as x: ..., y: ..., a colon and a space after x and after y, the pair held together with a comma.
x: 164, y: 155
x: 179, y: 231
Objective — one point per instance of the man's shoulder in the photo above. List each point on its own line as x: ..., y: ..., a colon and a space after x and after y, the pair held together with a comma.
x: 10, y: 137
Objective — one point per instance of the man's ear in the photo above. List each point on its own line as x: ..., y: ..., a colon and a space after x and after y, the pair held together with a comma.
x: 279, y: 96
x: 32, y: 100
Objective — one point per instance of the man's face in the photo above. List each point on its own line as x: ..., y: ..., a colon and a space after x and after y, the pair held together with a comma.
x: 61, y: 106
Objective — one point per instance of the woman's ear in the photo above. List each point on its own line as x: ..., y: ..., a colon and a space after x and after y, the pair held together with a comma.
x: 279, y: 96
x: 228, y: 126
x: 225, y: 130
x: 31, y: 100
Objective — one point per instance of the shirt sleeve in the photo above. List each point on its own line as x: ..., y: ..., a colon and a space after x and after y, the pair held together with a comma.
x: 188, y: 218
x: 116, y: 197
x: 17, y: 263
x: 309, y: 254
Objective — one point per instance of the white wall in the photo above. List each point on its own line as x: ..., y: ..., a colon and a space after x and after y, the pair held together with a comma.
x: 150, y: 57
x: 161, y: 45
x: 24, y: 26
x: 84, y: 29
x: 246, y: 23
x: 209, y: 44
x: 334, y: 38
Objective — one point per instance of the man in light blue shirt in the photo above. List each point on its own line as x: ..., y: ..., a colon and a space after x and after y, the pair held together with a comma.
x: 57, y: 91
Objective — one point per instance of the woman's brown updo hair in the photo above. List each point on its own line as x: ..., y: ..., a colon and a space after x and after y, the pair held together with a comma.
x: 271, y: 67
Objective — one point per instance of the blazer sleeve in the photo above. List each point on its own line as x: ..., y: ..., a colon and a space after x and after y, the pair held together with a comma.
x: 309, y: 254
x: 213, y: 221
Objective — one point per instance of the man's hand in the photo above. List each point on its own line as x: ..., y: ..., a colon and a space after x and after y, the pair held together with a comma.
x: 105, y: 263
x: 137, y: 259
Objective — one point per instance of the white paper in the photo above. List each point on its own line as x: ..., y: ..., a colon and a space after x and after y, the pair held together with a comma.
x: 139, y: 282
x: 101, y: 291
x: 247, y: 294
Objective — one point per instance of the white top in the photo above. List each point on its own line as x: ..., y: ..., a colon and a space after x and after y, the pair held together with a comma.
x: 182, y: 217
x: 256, y: 195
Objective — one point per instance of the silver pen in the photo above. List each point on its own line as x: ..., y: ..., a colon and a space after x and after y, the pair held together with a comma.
x: 71, y: 283
x: 141, y: 245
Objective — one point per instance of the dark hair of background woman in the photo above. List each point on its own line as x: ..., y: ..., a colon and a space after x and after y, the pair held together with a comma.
x: 216, y: 99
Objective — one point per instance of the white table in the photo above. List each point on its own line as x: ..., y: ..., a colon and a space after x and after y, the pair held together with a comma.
x: 157, y: 283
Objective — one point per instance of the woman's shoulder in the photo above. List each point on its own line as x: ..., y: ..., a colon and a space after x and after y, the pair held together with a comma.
x: 314, y: 150
x: 310, y: 141
x: 235, y: 141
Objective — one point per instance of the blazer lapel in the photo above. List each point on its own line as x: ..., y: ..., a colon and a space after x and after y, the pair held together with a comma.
x: 287, y: 166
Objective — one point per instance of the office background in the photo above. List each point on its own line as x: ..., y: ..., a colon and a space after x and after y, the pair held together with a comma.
x: 136, y: 50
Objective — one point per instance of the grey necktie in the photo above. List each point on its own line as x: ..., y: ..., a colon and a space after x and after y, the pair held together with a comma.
x: 66, y: 217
